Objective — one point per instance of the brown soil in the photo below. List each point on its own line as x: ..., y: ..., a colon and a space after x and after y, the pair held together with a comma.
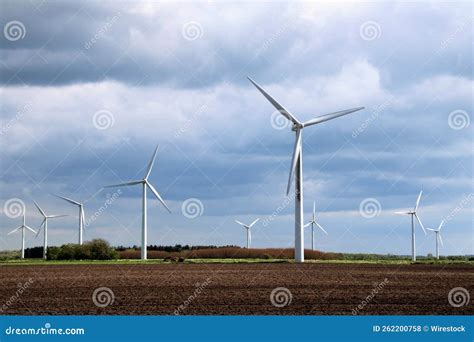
x: 236, y: 289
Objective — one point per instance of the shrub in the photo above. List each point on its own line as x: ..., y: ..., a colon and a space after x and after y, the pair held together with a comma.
x: 66, y: 252
x: 52, y: 253
x: 97, y: 249
x: 101, y: 250
x: 34, y: 252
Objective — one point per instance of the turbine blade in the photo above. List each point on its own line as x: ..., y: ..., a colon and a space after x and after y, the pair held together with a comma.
x: 275, y: 104
x: 441, y: 225
x: 251, y: 225
x: 152, y: 161
x: 14, y: 230
x: 239, y: 223
x: 421, y: 224
x: 314, y: 211
x: 124, y: 184
x: 307, y: 224
x: 402, y: 212
x: 418, y: 201
x: 31, y: 229
x: 41, y: 226
x: 83, y: 220
x: 56, y: 216
x: 68, y: 200
x: 39, y: 209
x: 158, y: 196
x: 430, y: 229
x: 330, y: 116
x: 321, y: 228
x: 296, y: 154
x: 440, y: 239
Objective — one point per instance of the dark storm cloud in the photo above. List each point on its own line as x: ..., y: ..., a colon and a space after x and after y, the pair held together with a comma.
x: 73, y: 42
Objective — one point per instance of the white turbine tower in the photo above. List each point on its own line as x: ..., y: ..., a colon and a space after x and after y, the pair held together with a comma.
x: 413, y: 214
x: 145, y: 183
x: 297, y: 163
x: 81, y: 215
x: 248, y: 227
x: 438, y: 237
x: 44, y: 225
x: 23, y: 227
x: 312, y: 223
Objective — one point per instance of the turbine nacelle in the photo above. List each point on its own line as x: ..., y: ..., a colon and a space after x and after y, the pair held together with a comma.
x: 248, y: 227
x: 438, y: 232
x: 145, y: 185
x: 297, y: 164
x: 414, y: 212
x: 414, y: 215
x: 145, y: 181
x: 298, y: 126
x: 82, y: 220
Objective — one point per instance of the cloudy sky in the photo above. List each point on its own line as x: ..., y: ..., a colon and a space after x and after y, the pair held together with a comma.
x: 88, y: 89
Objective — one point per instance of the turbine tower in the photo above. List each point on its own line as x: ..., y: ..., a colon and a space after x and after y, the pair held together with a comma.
x: 413, y: 214
x: 145, y: 183
x: 296, y: 170
x: 248, y: 227
x: 23, y: 227
x: 44, y: 225
x: 312, y: 223
x: 438, y: 237
x: 81, y: 215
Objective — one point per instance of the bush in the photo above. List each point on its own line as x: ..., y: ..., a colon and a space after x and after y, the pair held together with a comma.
x: 34, y: 252
x: 101, y: 250
x: 66, y: 252
x: 97, y: 249
x: 52, y: 253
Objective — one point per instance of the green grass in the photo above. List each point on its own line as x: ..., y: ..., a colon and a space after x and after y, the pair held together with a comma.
x: 30, y: 262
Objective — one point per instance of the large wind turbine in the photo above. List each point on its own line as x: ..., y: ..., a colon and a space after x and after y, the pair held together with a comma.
x: 44, y: 225
x: 248, y: 227
x: 81, y: 215
x: 438, y: 237
x: 413, y: 214
x: 145, y: 183
x: 312, y: 223
x: 23, y: 227
x: 297, y: 163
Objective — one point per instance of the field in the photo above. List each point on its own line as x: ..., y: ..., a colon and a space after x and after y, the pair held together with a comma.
x: 233, y: 288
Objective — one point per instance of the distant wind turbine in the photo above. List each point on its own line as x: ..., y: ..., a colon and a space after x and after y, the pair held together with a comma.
x: 413, y: 214
x: 81, y: 215
x: 312, y: 223
x: 44, y: 225
x: 438, y: 237
x: 22, y: 228
x: 145, y: 183
x: 248, y: 227
x: 297, y: 163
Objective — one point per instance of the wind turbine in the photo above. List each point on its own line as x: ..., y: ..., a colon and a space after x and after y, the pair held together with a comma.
x: 145, y: 183
x: 81, y: 215
x: 297, y: 163
x: 23, y: 227
x: 45, y: 225
x: 249, y: 235
x: 312, y: 223
x: 413, y: 215
x: 438, y: 237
